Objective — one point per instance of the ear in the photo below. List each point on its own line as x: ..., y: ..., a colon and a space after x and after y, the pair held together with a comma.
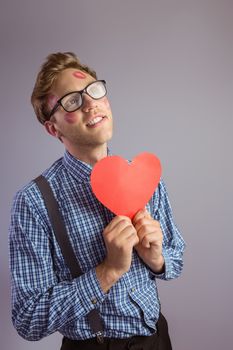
x: 52, y: 129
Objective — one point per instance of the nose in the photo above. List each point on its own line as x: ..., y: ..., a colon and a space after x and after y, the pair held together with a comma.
x: 88, y: 103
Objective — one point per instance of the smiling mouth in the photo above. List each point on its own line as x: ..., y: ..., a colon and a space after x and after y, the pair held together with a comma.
x: 95, y: 121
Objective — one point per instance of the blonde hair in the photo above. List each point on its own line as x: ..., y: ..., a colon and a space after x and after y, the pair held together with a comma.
x: 54, y: 64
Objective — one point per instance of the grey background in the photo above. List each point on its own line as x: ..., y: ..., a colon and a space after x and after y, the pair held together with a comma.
x: 168, y: 65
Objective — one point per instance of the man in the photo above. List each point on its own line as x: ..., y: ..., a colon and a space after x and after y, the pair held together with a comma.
x: 120, y: 258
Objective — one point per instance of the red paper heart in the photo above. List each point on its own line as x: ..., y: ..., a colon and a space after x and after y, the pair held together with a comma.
x: 125, y: 187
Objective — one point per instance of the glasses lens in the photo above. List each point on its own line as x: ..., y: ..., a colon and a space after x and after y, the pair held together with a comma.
x: 97, y: 90
x: 72, y: 102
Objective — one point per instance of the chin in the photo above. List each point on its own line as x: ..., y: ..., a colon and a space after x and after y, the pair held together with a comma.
x: 105, y: 136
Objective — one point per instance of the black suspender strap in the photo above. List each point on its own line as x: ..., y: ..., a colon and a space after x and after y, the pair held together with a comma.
x: 58, y: 226
x: 60, y: 232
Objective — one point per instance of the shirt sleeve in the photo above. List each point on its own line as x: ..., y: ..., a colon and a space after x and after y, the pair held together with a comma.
x: 41, y: 304
x: 173, y: 243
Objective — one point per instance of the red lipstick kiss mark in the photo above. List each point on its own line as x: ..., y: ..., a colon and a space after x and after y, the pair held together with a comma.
x: 52, y: 100
x: 70, y: 118
x: 79, y: 75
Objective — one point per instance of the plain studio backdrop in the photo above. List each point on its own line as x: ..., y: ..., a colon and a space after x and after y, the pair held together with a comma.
x: 169, y: 69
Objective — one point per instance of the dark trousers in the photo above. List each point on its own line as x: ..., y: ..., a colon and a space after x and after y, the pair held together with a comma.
x: 158, y: 341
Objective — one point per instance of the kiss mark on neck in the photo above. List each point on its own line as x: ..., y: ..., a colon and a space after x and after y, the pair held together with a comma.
x: 80, y: 75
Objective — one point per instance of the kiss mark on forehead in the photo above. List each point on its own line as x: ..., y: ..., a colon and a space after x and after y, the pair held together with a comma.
x: 52, y: 100
x: 79, y: 75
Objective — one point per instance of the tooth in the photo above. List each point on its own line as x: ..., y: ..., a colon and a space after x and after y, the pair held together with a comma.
x: 94, y: 121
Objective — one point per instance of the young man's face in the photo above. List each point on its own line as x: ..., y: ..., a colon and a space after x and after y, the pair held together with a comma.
x: 90, y: 125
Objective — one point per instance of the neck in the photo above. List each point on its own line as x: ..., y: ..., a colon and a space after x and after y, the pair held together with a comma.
x: 89, y: 155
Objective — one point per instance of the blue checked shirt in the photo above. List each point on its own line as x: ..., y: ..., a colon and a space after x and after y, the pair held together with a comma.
x: 45, y: 298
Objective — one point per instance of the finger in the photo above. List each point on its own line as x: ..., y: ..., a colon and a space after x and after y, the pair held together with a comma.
x: 144, y: 222
x: 139, y: 215
x: 150, y: 230
x: 115, y: 221
x: 144, y: 213
x: 127, y: 234
x: 133, y: 238
x: 122, y: 226
x: 144, y: 230
x: 117, y: 231
x: 151, y: 239
x: 147, y: 214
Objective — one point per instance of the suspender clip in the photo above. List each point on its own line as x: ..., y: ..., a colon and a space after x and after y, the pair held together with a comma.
x: 100, y: 337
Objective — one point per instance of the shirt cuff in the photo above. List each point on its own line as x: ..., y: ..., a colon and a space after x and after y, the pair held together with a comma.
x: 167, y: 274
x: 90, y: 292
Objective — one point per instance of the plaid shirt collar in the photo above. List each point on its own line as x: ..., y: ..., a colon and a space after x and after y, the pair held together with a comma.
x: 77, y: 168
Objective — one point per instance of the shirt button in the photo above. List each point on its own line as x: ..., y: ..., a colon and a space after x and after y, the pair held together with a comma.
x: 132, y: 289
x: 94, y: 301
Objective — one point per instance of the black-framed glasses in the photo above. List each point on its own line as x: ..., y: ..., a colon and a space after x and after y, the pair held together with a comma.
x: 72, y: 101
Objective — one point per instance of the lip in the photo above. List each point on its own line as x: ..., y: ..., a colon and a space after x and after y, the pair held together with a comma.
x: 95, y: 116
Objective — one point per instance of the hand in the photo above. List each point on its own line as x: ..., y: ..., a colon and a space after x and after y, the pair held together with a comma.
x: 150, y: 237
x: 120, y: 237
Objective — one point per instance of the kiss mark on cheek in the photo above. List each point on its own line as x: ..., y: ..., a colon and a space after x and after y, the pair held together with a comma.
x: 79, y: 75
x: 52, y: 100
x: 70, y: 118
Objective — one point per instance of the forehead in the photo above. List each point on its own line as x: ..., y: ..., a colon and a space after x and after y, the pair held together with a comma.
x: 71, y: 79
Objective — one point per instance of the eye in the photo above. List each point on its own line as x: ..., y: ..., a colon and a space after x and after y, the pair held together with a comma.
x: 72, y: 100
x: 96, y: 90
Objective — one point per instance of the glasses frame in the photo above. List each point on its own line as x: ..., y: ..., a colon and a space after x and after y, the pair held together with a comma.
x: 81, y: 92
